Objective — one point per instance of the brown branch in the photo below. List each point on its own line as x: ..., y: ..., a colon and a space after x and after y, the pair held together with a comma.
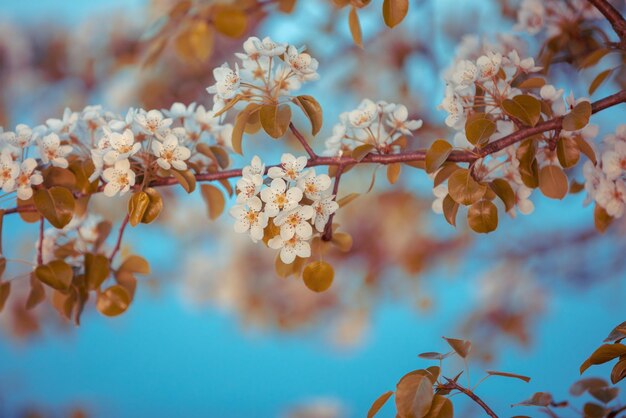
x: 457, y: 156
x: 40, y: 244
x: 454, y: 385
x: 118, y: 244
x: 302, y: 140
x: 614, y: 17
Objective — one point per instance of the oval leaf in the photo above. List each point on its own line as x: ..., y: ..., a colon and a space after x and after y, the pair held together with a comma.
x: 318, y: 276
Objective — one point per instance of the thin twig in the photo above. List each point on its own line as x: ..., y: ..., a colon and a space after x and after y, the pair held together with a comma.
x: 118, y: 244
x: 302, y: 140
x: 454, y: 385
x: 614, y: 17
x: 40, y: 244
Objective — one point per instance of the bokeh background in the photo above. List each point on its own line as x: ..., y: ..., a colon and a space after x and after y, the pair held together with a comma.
x: 213, y: 333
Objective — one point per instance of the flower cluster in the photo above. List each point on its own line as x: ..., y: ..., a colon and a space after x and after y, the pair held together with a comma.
x: 484, y: 83
x: 287, y: 213
x: 605, y: 182
x: 552, y: 15
x: 269, y: 70
x: 120, y: 147
x: 378, y: 124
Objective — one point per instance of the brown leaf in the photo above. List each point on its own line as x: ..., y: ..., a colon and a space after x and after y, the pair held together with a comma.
x: 553, y: 182
x: 56, y: 205
x: 578, y: 117
x: 355, y: 27
x: 478, y: 128
x: 214, y: 199
x: 379, y: 403
x: 135, y: 264
x: 240, y: 125
x: 185, y: 178
x: 523, y: 107
x: 312, y: 110
x: 436, y: 155
x: 56, y: 274
x: 230, y: 20
x: 137, y: 205
x: 603, y: 354
x: 450, y: 209
x: 96, y: 270
x: 414, y: 395
x: 601, y: 219
x: 275, y: 119
x: 440, y: 408
x: 113, y: 301
x: 394, y: 11
x: 464, y: 189
x: 393, y: 172
x: 461, y: 347
x: 512, y: 375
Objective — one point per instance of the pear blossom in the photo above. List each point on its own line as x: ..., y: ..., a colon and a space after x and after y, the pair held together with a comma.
x: 290, y: 168
x: 256, y: 167
x: 611, y: 195
x: 9, y: 171
x: 53, y: 152
x: 489, y: 65
x: 248, y: 187
x: 250, y: 218
x: 277, y: 197
x: 295, y: 222
x: 522, y: 201
x: 398, y: 120
x: 302, y: 64
x: 169, y: 154
x: 120, y: 178
x: 65, y: 125
x: 322, y: 209
x: 313, y: 185
x: 440, y: 192
x: 530, y: 16
x: 206, y: 119
x: 121, y: 146
x: 21, y: 138
x: 284, y: 82
x: 364, y: 115
x: 614, y: 161
x: 127, y: 123
x: 290, y: 248
x: 153, y: 122
x: 180, y: 111
x: 465, y: 75
x: 27, y: 178
x: 226, y: 82
x: 269, y: 48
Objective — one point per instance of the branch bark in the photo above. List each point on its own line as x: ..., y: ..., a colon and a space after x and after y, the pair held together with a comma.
x: 614, y: 17
x: 454, y: 385
x: 457, y: 156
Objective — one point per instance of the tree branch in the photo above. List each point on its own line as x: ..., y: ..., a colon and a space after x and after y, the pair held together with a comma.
x: 454, y: 385
x: 328, y: 229
x: 302, y: 140
x: 456, y: 156
x: 614, y: 17
x: 118, y: 244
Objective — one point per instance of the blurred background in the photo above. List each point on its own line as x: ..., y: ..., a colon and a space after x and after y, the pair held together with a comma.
x: 213, y: 332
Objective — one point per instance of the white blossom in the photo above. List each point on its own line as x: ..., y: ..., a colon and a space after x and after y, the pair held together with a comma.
x: 290, y: 168
x: 277, y: 197
x: 153, y: 122
x: 120, y: 178
x: 9, y: 171
x: 250, y: 218
x: 289, y: 249
x: 295, y: 222
x: 53, y: 152
x: 169, y: 154
x: 322, y: 209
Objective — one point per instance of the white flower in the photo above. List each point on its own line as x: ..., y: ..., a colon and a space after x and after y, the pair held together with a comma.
x: 9, y: 170
x: 179, y: 110
x: 122, y: 146
x: 489, y: 64
x: 277, y: 197
x: 249, y: 187
x: 464, y: 75
x: 249, y: 218
x: 207, y: 120
x: 323, y: 208
x: 398, y: 120
x: 454, y: 107
x: 120, y: 178
x: 129, y: 120
x: 593, y: 178
x: 289, y: 249
x: 440, y: 193
x: 530, y: 16
x: 313, y: 185
x: 226, y: 82
x: 53, y: 152
x: 524, y: 204
x: 333, y: 143
x: 27, y: 178
x: 153, y: 122
x: 302, y: 64
x: 21, y: 138
x: 364, y: 115
x: 549, y: 92
x: 170, y: 154
x: 290, y: 168
x: 295, y: 222
x: 65, y: 125
x: 256, y: 167
x: 614, y: 161
x: 285, y: 81
x: 268, y: 47
x: 611, y: 195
